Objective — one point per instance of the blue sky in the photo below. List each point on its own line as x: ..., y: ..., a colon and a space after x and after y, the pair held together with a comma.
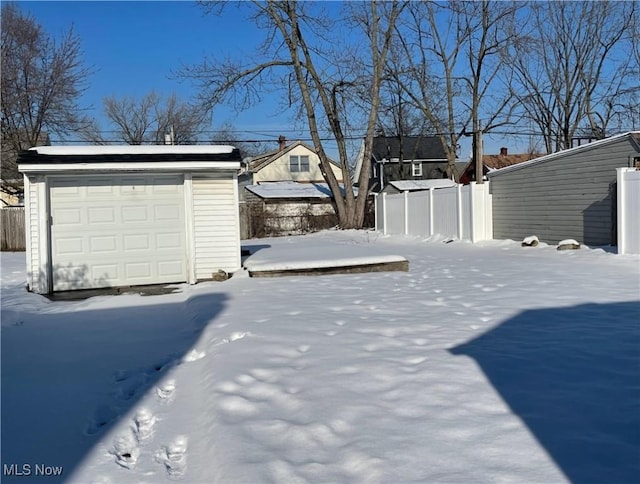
x: 135, y: 47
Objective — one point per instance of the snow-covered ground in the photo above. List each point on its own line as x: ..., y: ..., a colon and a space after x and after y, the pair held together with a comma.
x: 483, y: 363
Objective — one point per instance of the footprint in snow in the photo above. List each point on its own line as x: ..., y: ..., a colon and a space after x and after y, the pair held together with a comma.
x: 235, y: 336
x: 193, y: 355
x: 126, y: 450
x: 166, y: 391
x: 101, y: 418
x: 144, y: 421
x: 174, y: 457
x: 129, y: 388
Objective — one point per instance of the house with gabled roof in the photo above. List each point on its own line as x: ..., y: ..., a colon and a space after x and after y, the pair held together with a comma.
x: 284, y: 192
x: 396, y: 158
x: 495, y: 162
x: 297, y: 162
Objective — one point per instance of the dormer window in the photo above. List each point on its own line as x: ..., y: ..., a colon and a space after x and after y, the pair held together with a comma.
x: 299, y: 163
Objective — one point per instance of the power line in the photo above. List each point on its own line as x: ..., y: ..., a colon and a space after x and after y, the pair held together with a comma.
x: 267, y: 139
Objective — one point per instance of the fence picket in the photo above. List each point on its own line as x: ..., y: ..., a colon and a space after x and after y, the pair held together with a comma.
x: 12, y: 234
x: 456, y: 212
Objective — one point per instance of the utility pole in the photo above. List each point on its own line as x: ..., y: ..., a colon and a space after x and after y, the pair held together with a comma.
x: 477, y: 155
x: 169, y: 138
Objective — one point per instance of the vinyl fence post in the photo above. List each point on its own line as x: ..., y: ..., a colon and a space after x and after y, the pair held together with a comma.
x: 459, y: 209
x: 431, y: 212
x: 406, y: 212
x: 375, y: 212
x: 384, y: 213
x: 621, y: 217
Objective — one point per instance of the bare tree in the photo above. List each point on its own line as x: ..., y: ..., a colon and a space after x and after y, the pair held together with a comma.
x: 42, y: 80
x: 568, y: 79
x: 302, y: 54
x: 399, y: 118
x: 149, y: 119
x: 134, y: 120
x: 451, y: 69
x: 227, y: 134
x: 185, y: 121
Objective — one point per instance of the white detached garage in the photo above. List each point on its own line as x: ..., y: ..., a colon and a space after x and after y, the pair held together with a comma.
x: 110, y: 216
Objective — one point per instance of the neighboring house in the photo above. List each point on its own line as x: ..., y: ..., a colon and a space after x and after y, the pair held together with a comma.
x: 407, y: 158
x: 495, y: 162
x: 297, y: 162
x: 287, y: 208
x: 12, y: 193
x: 110, y: 216
x: 568, y: 194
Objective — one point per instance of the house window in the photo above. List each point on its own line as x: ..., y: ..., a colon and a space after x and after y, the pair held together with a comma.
x: 416, y: 169
x: 299, y: 163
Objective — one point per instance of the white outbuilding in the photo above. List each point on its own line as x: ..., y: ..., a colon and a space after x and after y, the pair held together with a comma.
x: 112, y: 216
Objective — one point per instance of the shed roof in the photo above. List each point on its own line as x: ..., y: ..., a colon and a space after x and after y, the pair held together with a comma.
x: 88, y: 150
x: 413, y: 185
x: 633, y: 136
x: 290, y: 189
x: 128, y: 157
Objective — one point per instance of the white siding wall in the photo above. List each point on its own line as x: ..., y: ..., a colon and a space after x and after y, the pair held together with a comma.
x: 216, y: 226
x: 35, y: 211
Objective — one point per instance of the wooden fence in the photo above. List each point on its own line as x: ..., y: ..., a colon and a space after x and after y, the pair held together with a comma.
x: 12, y: 229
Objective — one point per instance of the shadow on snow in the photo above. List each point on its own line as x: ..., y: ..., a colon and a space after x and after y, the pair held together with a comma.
x: 68, y: 377
x: 572, y: 375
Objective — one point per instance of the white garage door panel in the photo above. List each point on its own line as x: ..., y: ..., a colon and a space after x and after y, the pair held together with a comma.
x: 117, y: 231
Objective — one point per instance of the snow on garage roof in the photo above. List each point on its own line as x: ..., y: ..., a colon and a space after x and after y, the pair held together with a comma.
x: 132, y: 150
x: 50, y: 159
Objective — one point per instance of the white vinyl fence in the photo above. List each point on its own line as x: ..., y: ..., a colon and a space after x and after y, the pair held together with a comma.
x: 462, y: 212
x: 628, y: 211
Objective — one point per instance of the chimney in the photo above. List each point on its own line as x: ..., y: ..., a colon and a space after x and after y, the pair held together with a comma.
x: 282, y: 143
x: 503, y: 151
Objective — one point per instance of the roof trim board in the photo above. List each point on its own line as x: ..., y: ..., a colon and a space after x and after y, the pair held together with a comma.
x: 578, y: 149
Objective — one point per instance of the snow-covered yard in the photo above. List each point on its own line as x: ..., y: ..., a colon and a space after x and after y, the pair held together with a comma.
x: 484, y: 363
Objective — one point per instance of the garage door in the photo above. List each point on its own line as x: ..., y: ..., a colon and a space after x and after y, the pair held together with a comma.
x: 117, y: 231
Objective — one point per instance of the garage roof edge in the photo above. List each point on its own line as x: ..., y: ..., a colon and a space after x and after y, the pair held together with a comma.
x: 560, y: 154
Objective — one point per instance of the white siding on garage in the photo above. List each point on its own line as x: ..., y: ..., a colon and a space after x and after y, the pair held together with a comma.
x: 216, y: 226
x: 35, y: 265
